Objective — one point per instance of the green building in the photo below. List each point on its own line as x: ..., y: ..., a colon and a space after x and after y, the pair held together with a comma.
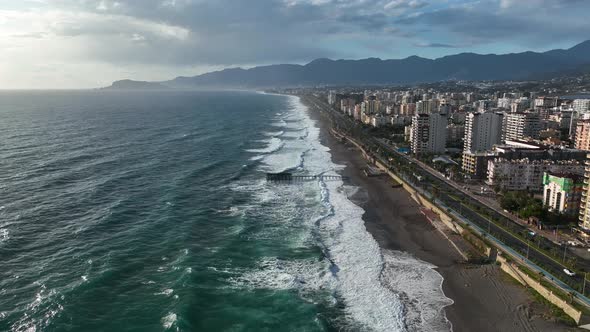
x: 562, y: 192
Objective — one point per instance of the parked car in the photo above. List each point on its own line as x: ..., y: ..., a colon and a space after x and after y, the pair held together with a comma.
x: 569, y: 273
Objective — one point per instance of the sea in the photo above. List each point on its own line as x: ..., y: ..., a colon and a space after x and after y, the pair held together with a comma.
x: 150, y: 211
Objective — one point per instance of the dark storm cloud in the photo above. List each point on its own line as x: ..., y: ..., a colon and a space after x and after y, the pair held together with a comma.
x: 240, y: 31
x: 528, y: 22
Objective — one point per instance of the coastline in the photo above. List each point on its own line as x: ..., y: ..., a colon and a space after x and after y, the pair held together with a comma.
x: 484, y: 298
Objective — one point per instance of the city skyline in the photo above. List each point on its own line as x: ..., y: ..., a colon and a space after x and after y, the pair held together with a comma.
x: 86, y: 44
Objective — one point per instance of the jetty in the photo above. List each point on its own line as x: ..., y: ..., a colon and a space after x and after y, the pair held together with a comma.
x: 289, y: 177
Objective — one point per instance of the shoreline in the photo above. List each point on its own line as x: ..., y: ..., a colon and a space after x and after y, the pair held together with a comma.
x: 481, y: 294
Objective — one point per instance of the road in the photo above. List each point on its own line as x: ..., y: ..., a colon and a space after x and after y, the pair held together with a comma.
x: 491, y: 203
x: 500, y: 227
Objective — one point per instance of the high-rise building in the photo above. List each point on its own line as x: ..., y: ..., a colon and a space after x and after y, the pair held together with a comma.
x: 504, y: 102
x: 521, y: 124
x: 524, y: 174
x: 582, y: 135
x: 546, y: 102
x: 429, y: 133
x: 520, y: 105
x: 422, y: 107
x: 585, y: 202
x: 455, y: 133
x: 581, y: 105
x: 482, y: 131
x: 371, y: 106
x: 562, y: 192
x: 408, y: 109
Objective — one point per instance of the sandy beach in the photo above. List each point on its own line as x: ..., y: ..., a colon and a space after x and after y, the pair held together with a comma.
x: 484, y: 298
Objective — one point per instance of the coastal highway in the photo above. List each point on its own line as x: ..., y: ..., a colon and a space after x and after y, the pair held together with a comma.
x: 463, y: 204
x: 498, y: 226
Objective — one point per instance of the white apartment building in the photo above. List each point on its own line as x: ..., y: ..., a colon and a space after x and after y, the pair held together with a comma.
x: 520, y: 105
x: 379, y: 120
x: 581, y: 105
x: 562, y: 192
x: 504, y: 102
x: 585, y: 201
x: 370, y: 106
x: 482, y: 131
x: 428, y: 134
x: 523, y: 174
x: 520, y: 125
x: 546, y: 102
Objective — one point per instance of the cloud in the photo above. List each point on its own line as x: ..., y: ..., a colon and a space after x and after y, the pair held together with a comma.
x: 223, y: 32
x: 436, y: 45
x: 524, y: 22
x: 159, y: 39
x: 405, y: 4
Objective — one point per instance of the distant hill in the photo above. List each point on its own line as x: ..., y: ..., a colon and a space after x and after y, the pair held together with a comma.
x: 373, y: 71
x: 136, y: 85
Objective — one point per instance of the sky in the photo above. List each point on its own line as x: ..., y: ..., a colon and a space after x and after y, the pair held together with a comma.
x: 90, y: 43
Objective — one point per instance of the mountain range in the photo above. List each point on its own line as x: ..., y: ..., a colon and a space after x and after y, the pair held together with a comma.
x: 374, y: 71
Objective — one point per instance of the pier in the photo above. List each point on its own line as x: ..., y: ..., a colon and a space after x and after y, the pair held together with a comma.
x: 288, y: 177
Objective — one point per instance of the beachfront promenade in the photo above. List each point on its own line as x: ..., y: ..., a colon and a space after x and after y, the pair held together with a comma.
x: 497, y: 228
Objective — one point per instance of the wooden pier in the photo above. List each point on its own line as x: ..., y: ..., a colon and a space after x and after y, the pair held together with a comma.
x: 288, y: 177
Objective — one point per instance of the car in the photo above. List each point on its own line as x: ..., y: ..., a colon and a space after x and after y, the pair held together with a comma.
x: 569, y: 273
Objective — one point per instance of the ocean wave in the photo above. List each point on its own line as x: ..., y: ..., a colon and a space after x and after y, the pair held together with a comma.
x: 278, y: 274
x: 169, y: 320
x: 40, y: 311
x: 165, y: 292
x: 364, y: 276
x: 273, y: 133
x: 420, y: 289
x: 291, y: 161
x: 279, y: 123
x: 4, y: 235
x: 273, y: 145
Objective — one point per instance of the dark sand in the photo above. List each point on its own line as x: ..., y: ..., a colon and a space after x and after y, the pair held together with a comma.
x: 485, y: 299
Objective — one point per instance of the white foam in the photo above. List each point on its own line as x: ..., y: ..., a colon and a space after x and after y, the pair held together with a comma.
x: 279, y: 123
x: 273, y: 133
x: 381, y: 291
x: 166, y: 292
x: 169, y: 320
x: 274, y: 273
x: 272, y: 145
x: 420, y: 288
x: 4, y: 235
x: 42, y: 305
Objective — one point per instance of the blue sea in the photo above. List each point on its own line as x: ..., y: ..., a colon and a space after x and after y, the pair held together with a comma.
x: 149, y: 211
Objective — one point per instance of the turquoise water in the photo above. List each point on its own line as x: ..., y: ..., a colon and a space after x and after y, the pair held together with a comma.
x: 150, y: 212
